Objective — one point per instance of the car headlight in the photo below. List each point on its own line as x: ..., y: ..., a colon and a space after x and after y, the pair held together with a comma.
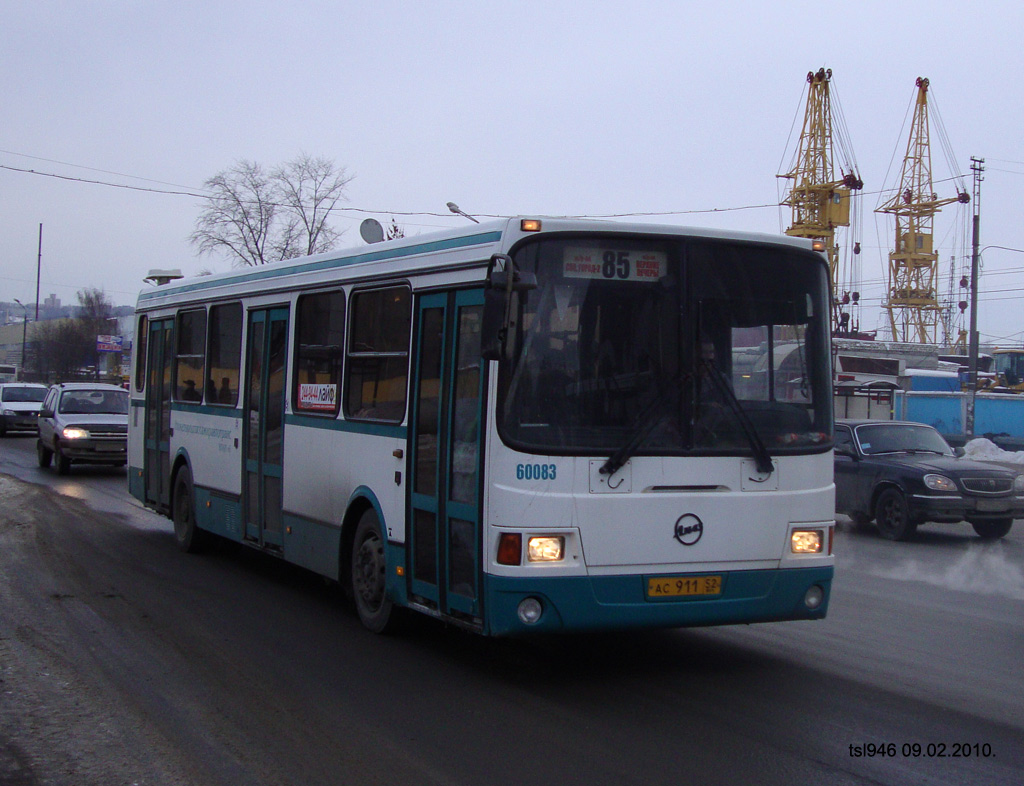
x: 1018, y: 484
x: 74, y: 432
x: 939, y: 483
x: 10, y: 413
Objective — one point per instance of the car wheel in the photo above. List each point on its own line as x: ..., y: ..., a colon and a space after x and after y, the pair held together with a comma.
x: 369, y: 574
x: 187, y: 535
x: 63, y: 462
x: 44, y: 454
x: 893, y: 516
x: 992, y: 530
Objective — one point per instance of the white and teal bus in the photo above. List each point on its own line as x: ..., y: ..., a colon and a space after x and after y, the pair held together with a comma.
x: 522, y: 426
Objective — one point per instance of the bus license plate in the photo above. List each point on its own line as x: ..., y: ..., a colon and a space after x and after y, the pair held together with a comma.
x: 689, y: 585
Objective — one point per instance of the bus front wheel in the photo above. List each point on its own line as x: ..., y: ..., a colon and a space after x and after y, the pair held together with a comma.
x: 369, y: 575
x: 187, y: 535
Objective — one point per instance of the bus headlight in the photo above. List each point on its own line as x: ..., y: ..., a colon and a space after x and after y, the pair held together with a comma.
x: 74, y: 432
x: 807, y: 541
x: 545, y: 549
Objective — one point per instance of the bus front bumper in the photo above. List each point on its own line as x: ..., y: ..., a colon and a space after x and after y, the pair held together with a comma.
x: 589, y: 603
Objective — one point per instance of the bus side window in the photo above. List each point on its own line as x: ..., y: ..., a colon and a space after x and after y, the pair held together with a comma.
x: 320, y: 347
x: 191, y: 355
x: 141, y: 357
x: 225, y: 356
x: 377, y: 369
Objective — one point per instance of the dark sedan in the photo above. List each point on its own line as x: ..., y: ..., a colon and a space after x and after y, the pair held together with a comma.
x: 904, y: 474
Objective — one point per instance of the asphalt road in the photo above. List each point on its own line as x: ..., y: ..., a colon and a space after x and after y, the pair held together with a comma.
x: 123, y: 661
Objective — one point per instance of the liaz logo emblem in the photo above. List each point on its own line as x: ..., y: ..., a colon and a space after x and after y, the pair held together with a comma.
x: 688, y: 529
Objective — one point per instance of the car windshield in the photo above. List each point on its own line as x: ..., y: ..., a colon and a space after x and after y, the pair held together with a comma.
x: 900, y: 438
x: 633, y: 345
x: 94, y: 402
x: 23, y: 395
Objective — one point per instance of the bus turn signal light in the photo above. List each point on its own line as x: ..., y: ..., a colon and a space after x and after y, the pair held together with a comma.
x: 510, y: 548
x: 530, y: 225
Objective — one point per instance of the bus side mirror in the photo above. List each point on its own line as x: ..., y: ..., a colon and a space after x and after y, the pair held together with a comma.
x: 503, y: 279
x: 500, y: 267
x: 491, y: 330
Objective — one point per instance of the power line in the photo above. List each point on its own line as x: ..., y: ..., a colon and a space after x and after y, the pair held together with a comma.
x: 90, y: 168
x: 185, y: 191
x: 197, y: 195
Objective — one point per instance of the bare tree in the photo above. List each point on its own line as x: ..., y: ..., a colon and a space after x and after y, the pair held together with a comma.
x: 65, y: 347
x: 255, y: 218
x: 95, y: 318
x: 237, y: 218
x: 308, y: 190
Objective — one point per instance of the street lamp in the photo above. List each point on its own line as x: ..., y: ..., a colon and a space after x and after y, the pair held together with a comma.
x: 455, y: 209
x: 24, y: 333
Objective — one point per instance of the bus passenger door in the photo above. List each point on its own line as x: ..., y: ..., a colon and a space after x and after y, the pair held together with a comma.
x: 157, y: 458
x: 266, y: 348
x: 445, y: 540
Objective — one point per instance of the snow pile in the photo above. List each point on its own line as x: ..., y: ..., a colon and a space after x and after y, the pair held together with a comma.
x: 986, y: 450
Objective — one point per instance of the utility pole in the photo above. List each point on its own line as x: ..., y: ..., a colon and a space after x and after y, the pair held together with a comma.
x: 39, y: 267
x: 977, y: 167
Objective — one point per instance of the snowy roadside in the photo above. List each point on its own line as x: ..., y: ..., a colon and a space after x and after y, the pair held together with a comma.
x: 982, y: 449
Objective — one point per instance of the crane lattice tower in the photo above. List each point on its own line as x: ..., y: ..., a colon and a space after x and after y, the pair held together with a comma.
x: 820, y: 200
x: 915, y: 314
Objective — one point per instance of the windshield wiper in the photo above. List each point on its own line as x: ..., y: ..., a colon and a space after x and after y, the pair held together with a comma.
x: 646, y: 422
x: 762, y: 457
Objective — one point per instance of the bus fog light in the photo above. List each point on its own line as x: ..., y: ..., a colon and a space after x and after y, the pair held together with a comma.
x: 545, y: 549
x: 529, y: 611
x: 813, y: 597
x: 807, y: 541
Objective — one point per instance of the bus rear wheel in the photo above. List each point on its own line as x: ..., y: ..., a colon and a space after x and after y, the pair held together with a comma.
x: 369, y: 575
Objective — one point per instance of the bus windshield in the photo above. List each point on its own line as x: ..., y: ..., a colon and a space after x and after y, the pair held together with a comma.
x: 668, y: 346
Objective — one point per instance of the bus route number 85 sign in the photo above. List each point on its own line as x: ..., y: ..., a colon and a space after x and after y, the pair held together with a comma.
x: 612, y: 264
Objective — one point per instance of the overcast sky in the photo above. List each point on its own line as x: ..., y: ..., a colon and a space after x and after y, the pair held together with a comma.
x: 553, y: 108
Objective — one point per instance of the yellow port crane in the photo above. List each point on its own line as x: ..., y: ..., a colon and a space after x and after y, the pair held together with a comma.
x: 915, y: 314
x: 820, y: 199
